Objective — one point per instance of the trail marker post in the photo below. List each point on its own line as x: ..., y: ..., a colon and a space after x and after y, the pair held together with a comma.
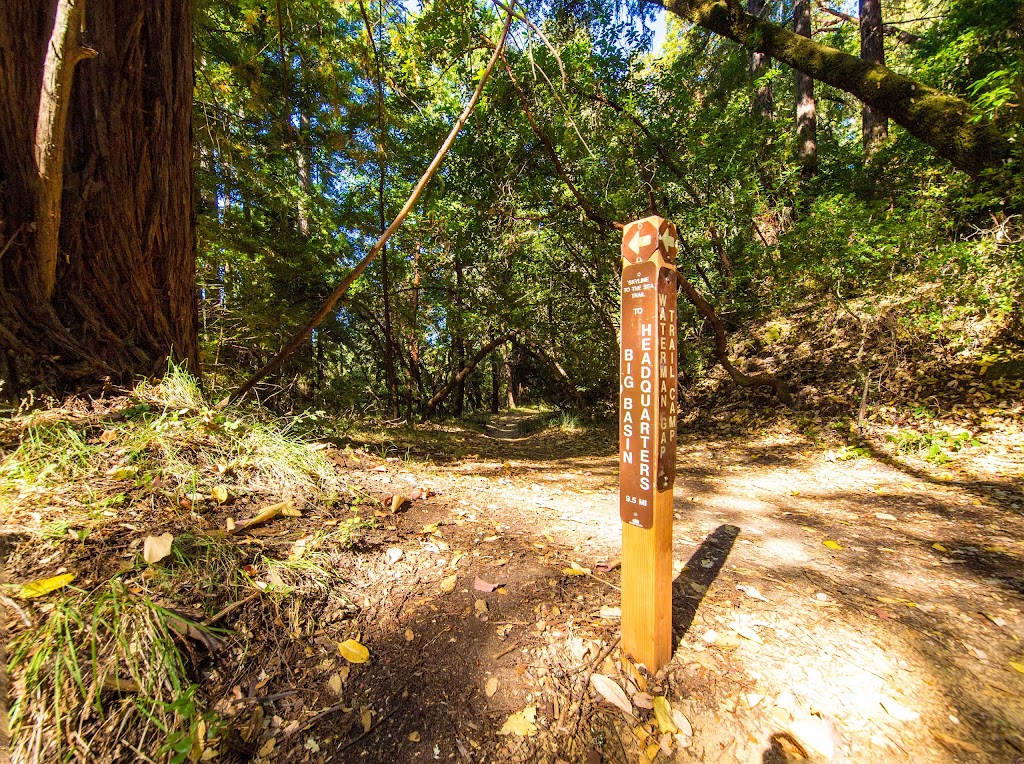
x: 648, y: 412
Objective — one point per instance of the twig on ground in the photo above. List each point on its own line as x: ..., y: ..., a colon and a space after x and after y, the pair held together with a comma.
x: 230, y: 609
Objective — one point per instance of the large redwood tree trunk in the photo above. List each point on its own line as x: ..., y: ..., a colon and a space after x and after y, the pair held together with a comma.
x: 124, y: 298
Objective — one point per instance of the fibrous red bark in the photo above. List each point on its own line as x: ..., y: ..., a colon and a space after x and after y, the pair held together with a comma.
x: 123, y: 299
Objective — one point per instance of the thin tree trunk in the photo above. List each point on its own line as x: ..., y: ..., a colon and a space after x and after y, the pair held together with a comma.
x: 458, y: 336
x: 332, y: 299
x: 759, y: 63
x: 466, y: 370
x: 495, y: 385
x: 907, y: 38
x: 303, y: 160
x: 63, y: 52
x: 510, y: 375
x: 806, y: 111
x: 414, y: 340
x: 385, y: 275
x: 948, y: 124
x: 874, y: 125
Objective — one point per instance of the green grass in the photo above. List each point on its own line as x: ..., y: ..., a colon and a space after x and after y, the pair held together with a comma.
x: 100, y: 663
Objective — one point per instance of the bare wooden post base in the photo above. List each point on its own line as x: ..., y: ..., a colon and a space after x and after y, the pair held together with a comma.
x: 647, y: 587
x: 648, y: 412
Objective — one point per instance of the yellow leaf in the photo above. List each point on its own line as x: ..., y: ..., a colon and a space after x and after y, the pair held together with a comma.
x: 431, y: 528
x: 220, y: 494
x: 409, y: 636
x: 46, y: 585
x: 939, y: 548
x: 521, y: 723
x: 414, y: 737
x: 366, y: 717
x: 1017, y: 666
x: 576, y: 570
x: 155, y: 548
x: 491, y: 686
x: 353, y: 651
x: 663, y: 713
x: 835, y: 545
x: 122, y: 473
x: 448, y: 584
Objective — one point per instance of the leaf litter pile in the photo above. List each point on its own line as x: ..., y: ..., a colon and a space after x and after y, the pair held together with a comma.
x: 190, y: 585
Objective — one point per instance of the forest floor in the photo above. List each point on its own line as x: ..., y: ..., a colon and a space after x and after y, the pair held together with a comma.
x: 853, y: 609
x: 834, y: 600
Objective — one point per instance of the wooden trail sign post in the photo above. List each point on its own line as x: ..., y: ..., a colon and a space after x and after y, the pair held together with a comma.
x: 648, y: 411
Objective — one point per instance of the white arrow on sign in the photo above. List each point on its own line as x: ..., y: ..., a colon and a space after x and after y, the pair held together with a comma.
x: 639, y: 241
x: 668, y: 240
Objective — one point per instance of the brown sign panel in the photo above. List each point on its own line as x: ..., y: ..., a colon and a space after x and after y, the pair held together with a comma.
x: 648, y: 362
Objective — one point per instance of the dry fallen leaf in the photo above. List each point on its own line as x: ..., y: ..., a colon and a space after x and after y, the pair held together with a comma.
x: 685, y: 728
x: 611, y: 692
x: 394, y: 554
x: 899, y: 711
x: 521, y: 723
x: 334, y: 684
x: 752, y: 591
x: 491, y: 686
x: 939, y: 548
x: 663, y: 713
x: 448, y: 584
x: 1017, y: 666
x: 122, y: 473
x: 155, y: 548
x: 834, y: 545
x: 747, y: 633
x: 575, y: 569
x: 286, y: 508
x: 414, y: 737
x: 220, y: 494
x: 353, y: 651
x: 643, y: 700
x: 366, y: 717
x: 397, y: 501
x: 45, y: 586
x: 483, y: 586
x: 409, y: 636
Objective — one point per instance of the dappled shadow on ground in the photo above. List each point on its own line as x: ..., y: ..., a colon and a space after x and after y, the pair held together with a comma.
x: 701, y: 570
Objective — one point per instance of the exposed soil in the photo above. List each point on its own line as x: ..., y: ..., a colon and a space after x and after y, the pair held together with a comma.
x: 832, y: 601
x: 894, y: 642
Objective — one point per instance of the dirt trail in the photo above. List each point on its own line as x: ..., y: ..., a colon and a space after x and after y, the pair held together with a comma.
x: 831, y: 609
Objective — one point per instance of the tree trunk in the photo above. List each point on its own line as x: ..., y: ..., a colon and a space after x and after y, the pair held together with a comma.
x: 874, y: 125
x: 303, y: 160
x: 414, y: 340
x: 759, y: 64
x: 806, y: 111
x: 495, y: 385
x: 458, y: 335
x: 124, y: 297
x: 946, y: 123
x: 466, y: 370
